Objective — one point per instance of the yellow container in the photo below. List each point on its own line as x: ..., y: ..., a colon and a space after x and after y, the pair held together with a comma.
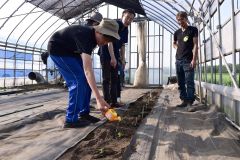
x: 111, y: 115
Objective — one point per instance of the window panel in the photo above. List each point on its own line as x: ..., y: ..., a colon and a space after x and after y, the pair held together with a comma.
x: 225, y: 6
x: 133, y: 44
x: 151, y: 44
x: 151, y: 28
x: 133, y: 60
x: 1, y: 63
x: 36, y: 66
x: 28, y: 65
x: 120, y: 10
x: 132, y: 73
x: 156, y: 43
x: 214, y: 21
x: 133, y: 29
x: 98, y: 75
x: 19, y: 64
x: 19, y: 73
x: 151, y: 76
x: 7, y: 73
x: 9, y: 64
x: 157, y: 27
x: 236, y: 5
x: 113, y: 12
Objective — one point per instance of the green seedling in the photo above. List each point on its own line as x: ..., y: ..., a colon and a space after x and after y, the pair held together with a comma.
x: 101, y: 150
x: 120, y: 134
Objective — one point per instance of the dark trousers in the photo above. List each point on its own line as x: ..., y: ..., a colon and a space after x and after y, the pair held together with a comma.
x: 109, y: 82
x: 119, y: 86
x: 120, y: 79
x: 185, y: 76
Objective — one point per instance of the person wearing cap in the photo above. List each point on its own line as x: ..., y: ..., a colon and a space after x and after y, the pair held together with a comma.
x: 186, y: 44
x: 94, y: 19
x: 70, y: 49
x: 111, y: 56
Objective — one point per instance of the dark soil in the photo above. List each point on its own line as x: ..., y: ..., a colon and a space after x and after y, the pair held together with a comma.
x: 110, y: 140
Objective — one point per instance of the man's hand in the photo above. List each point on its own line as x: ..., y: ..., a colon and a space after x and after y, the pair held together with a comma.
x: 113, y: 62
x: 193, y: 64
x: 175, y: 46
x: 102, y: 105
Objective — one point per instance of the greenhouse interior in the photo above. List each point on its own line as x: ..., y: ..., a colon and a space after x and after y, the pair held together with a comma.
x: 174, y: 89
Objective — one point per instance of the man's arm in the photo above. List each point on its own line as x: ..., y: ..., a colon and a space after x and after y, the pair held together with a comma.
x: 195, y: 51
x: 175, y: 45
x: 88, y: 70
x: 111, y: 52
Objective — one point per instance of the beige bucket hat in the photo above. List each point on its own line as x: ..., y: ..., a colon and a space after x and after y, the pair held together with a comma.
x: 108, y: 27
x: 96, y: 16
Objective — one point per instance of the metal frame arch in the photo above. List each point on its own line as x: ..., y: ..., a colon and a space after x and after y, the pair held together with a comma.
x: 190, y: 5
x: 52, y: 15
x: 48, y: 20
x: 23, y: 19
x: 163, y: 23
x: 158, y: 17
x: 21, y: 14
x: 170, y: 19
x: 31, y: 24
x: 155, y: 18
x: 60, y: 26
x: 12, y: 14
x: 4, y: 4
x: 54, y: 30
x: 173, y: 7
x: 174, y: 14
x: 177, y: 3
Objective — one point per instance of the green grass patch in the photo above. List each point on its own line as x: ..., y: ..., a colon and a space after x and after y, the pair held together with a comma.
x: 226, y: 79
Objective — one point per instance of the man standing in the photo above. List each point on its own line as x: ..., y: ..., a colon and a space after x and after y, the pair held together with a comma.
x: 110, y: 56
x: 70, y: 49
x: 186, y: 44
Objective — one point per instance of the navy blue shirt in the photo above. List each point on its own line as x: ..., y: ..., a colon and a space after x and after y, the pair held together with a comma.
x: 184, y: 40
x: 123, y: 33
x: 72, y: 41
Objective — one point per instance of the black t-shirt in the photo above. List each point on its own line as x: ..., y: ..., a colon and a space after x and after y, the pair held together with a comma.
x: 72, y: 41
x: 184, y: 40
x: 123, y: 33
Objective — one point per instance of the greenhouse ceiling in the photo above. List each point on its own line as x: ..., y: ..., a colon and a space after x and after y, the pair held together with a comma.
x: 31, y: 22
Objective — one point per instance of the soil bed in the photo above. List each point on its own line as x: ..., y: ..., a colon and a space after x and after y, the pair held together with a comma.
x: 110, y: 140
